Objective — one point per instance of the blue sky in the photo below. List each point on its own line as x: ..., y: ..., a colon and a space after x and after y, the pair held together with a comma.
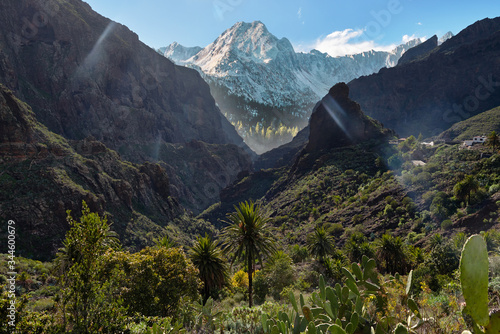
x: 333, y: 26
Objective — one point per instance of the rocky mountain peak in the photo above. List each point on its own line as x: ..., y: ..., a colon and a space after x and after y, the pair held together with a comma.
x: 445, y: 37
x: 178, y: 53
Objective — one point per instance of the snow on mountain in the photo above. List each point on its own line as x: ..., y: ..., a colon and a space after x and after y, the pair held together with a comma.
x: 256, y: 65
x: 178, y: 53
x: 445, y: 37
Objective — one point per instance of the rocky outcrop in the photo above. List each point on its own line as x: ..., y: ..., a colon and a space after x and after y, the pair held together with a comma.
x: 42, y: 175
x: 338, y: 121
x: 85, y: 75
x: 457, y: 80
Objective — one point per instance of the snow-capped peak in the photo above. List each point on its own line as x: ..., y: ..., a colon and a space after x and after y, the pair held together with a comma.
x: 179, y: 54
x: 445, y: 37
x: 247, y: 42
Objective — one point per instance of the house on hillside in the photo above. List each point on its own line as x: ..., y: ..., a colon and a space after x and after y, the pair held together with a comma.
x: 475, y: 140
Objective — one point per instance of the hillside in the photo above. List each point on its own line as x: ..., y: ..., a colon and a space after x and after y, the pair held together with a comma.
x: 360, y: 183
x: 479, y: 125
x: 85, y: 75
x: 42, y: 175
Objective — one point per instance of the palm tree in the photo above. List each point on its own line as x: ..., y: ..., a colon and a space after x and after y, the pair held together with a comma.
x: 165, y: 242
x: 247, y: 237
x: 210, y: 261
x: 392, y: 252
x: 465, y: 188
x: 493, y: 140
x: 320, y: 244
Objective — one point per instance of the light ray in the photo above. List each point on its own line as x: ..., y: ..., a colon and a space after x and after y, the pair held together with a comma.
x: 336, y: 113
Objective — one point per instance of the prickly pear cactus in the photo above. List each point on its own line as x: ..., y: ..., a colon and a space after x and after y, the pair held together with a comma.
x: 474, y: 279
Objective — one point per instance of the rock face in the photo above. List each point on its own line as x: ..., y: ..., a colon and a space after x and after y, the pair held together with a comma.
x: 457, y: 80
x: 338, y: 121
x: 85, y: 75
x: 42, y: 175
x: 419, y: 50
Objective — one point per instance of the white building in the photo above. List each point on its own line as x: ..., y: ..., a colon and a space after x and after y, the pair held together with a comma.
x: 479, y: 139
x: 475, y: 140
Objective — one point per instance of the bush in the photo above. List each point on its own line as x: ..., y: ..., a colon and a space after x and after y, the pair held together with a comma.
x: 280, y: 273
x: 494, y: 188
x: 156, y: 279
x: 335, y: 229
x: 240, y: 279
x: 388, y: 211
x: 446, y: 224
x: 298, y: 253
x: 260, y: 287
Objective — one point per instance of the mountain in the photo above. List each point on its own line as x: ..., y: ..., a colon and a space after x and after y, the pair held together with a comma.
x: 419, y: 50
x: 257, y: 78
x: 454, y: 81
x: 178, y: 53
x: 337, y: 121
x: 42, y: 175
x: 85, y: 75
x: 445, y: 37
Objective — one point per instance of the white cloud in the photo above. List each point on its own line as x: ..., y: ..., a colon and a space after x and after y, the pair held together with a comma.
x: 419, y: 23
x: 407, y: 38
x: 347, y: 42
x: 299, y: 13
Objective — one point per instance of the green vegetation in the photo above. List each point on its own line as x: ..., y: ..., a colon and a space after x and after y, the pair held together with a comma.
x: 482, y: 124
x: 103, y: 289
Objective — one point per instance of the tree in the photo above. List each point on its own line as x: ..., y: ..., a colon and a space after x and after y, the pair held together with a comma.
x: 493, y: 140
x: 165, y: 242
x: 392, y: 253
x: 208, y: 258
x: 248, y: 238
x: 356, y: 246
x: 465, y: 188
x: 89, y: 292
x: 320, y: 244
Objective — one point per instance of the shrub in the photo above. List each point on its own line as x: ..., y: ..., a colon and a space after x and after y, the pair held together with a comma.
x: 335, y: 229
x: 494, y: 188
x: 446, y: 224
x: 155, y: 280
x: 240, y: 279
x: 298, y: 253
x: 261, y: 287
